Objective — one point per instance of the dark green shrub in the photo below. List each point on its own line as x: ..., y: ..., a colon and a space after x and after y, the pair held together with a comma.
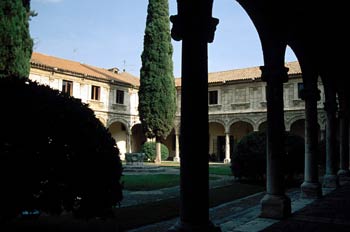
x: 149, y: 148
x: 249, y: 156
x: 55, y: 154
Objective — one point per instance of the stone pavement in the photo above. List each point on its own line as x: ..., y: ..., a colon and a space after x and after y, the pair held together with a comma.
x: 330, y: 213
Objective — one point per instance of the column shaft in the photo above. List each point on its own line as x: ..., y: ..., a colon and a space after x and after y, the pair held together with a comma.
x: 177, y: 149
x: 275, y: 203
x: 194, y: 26
x: 344, y: 173
x: 311, y: 188
x: 330, y: 179
x: 227, y: 149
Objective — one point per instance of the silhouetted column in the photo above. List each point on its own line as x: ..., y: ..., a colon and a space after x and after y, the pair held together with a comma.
x: 195, y: 27
x: 177, y: 148
x: 330, y: 179
x: 227, y: 149
x: 344, y: 172
x: 275, y: 204
x: 311, y: 187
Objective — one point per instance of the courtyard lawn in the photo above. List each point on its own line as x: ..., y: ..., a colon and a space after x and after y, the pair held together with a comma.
x: 151, y: 181
x: 220, y: 169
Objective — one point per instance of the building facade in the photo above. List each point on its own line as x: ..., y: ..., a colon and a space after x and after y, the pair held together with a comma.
x: 236, y: 98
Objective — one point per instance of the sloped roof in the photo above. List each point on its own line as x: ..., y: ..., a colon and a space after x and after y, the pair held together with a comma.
x: 243, y: 74
x: 82, y: 69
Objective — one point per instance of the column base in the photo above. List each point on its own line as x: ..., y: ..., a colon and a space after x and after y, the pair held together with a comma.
x: 311, y: 190
x: 343, y: 176
x: 188, y: 227
x: 343, y: 173
x: 176, y: 159
x: 227, y: 161
x: 275, y: 206
x: 330, y: 181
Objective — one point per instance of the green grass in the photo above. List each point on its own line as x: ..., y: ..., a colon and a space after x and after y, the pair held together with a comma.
x: 146, y: 182
x: 222, y: 169
x: 151, y: 181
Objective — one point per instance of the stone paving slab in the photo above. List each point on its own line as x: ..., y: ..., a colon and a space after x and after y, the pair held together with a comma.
x: 241, y: 215
x: 331, y: 213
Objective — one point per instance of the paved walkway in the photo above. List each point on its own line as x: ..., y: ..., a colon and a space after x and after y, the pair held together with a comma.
x: 330, y: 213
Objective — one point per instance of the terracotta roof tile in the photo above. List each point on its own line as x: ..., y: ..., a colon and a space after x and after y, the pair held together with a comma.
x: 243, y: 74
x: 83, y: 69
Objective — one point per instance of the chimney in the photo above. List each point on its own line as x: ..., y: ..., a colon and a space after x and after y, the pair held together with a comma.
x: 114, y: 70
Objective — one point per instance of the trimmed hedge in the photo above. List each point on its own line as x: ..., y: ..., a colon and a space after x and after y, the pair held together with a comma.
x: 55, y: 154
x: 149, y: 148
x: 249, y: 156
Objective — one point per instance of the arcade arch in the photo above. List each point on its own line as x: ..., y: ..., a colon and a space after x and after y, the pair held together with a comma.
x: 119, y: 133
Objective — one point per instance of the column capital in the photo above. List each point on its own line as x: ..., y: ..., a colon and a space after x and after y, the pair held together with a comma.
x: 274, y: 74
x: 181, y: 27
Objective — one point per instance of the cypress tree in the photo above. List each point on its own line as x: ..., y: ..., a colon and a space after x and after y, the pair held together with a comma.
x: 15, y: 41
x: 157, y: 100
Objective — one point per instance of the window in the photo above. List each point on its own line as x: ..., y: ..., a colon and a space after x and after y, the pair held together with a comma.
x: 300, y: 88
x: 67, y: 87
x: 95, y: 92
x: 119, y: 96
x: 213, y: 97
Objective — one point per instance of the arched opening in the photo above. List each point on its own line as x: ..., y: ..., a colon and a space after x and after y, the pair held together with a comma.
x: 119, y: 133
x: 262, y: 126
x: 216, y: 142
x: 138, y: 138
x: 298, y: 128
x: 239, y: 130
x: 169, y: 142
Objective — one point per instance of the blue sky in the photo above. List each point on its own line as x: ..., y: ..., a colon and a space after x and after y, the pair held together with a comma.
x: 109, y: 33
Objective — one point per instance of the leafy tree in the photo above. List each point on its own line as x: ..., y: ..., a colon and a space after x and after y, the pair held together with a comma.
x: 15, y: 41
x: 149, y: 148
x: 157, y: 100
x: 55, y: 154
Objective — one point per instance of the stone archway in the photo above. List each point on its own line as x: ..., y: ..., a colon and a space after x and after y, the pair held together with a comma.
x: 240, y: 129
x: 262, y: 126
x: 298, y: 127
x: 170, y: 143
x: 119, y: 133
x: 138, y: 137
x: 216, y: 142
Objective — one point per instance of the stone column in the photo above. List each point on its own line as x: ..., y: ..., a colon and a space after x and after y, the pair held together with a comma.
x: 311, y: 188
x: 195, y: 27
x: 177, y: 148
x: 275, y: 204
x: 330, y: 179
x: 128, y: 142
x: 227, y: 149
x: 323, y: 135
x: 344, y: 172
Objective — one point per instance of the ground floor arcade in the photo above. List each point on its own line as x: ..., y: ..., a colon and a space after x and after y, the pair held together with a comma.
x: 225, y: 130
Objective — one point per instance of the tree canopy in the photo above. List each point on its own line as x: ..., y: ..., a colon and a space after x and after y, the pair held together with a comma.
x: 16, y: 43
x: 157, y: 100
